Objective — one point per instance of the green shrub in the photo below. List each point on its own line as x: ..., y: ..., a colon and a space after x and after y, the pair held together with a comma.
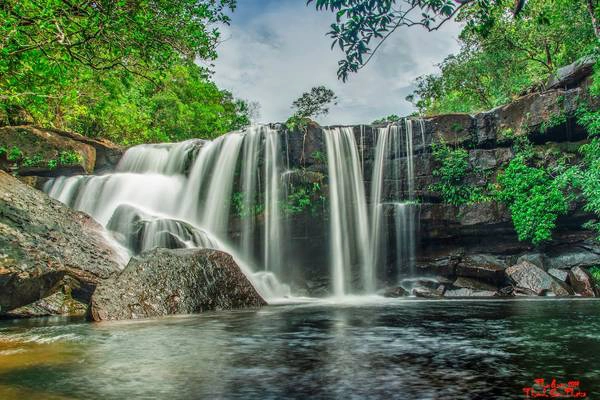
x: 452, y: 173
x: 305, y: 197
x: 15, y: 154
x: 534, y: 198
x: 595, y: 272
x: 70, y: 157
x: 35, y: 161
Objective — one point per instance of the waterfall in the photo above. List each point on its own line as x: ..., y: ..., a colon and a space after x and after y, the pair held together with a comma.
x: 348, y: 212
x: 230, y: 194
x: 180, y: 195
x: 394, y: 162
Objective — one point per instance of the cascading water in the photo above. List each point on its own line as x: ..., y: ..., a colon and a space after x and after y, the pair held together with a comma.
x: 394, y: 163
x: 348, y: 213
x: 229, y: 194
x: 179, y: 195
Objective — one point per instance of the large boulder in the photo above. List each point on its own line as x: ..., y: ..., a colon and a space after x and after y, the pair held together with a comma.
x: 46, y: 247
x: 165, y: 282
x: 531, y: 279
x: 582, y: 282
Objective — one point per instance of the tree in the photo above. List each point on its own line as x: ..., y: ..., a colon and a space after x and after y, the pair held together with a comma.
x: 116, y: 68
x: 314, y: 103
x: 508, y: 57
x: 359, y: 23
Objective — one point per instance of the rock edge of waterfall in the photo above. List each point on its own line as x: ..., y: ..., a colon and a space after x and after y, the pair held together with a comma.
x: 166, y: 282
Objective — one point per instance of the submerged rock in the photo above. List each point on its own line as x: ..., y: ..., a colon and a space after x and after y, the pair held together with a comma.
x: 164, y: 282
x: 530, y: 279
x: 582, y: 282
x: 46, y: 247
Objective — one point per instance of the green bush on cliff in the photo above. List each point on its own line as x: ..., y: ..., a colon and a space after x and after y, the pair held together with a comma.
x: 595, y: 272
x: 534, y: 198
x: 452, y: 172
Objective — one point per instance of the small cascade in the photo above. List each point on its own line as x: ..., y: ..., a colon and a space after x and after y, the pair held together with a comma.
x: 349, y: 227
x: 180, y: 195
x: 394, y: 209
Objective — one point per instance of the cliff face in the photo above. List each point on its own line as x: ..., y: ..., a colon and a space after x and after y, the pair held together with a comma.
x: 464, y: 240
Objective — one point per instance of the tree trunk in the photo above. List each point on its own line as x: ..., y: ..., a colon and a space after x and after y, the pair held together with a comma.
x: 592, y: 10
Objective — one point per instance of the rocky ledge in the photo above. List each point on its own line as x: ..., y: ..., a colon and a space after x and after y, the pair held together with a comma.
x: 48, y: 251
x: 164, y: 282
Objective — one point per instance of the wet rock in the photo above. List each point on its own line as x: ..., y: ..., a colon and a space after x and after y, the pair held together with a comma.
x: 559, y: 274
x: 164, y: 282
x: 473, y: 284
x: 483, y: 267
x: 44, y: 246
x: 141, y: 232
x: 395, y: 292
x: 582, y: 282
x: 59, y: 303
x: 465, y: 292
x: 531, y: 279
x: 428, y: 292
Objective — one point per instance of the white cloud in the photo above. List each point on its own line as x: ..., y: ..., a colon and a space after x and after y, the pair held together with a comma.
x: 274, y: 53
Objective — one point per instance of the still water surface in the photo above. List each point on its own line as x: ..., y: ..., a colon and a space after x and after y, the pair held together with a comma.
x: 375, y: 349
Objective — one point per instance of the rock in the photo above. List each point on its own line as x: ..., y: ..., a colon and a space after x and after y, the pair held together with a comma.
x: 473, y: 284
x: 535, y: 280
x: 465, y: 292
x: 44, y: 246
x: 428, y: 292
x: 453, y: 129
x: 51, y: 152
x: 165, y: 282
x: 559, y: 274
x: 395, y: 292
x: 535, y: 259
x: 572, y: 74
x: 59, y: 303
x: 482, y: 267
x: 582, y: 282
x: 140, y: 232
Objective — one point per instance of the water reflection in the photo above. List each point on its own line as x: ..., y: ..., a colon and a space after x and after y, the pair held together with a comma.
x: 395, y: 349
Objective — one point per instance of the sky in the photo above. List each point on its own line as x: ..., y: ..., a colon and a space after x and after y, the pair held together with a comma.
x: 274, y: 50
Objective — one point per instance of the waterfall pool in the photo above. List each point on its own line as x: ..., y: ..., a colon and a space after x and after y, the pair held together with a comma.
x: 359, y: 348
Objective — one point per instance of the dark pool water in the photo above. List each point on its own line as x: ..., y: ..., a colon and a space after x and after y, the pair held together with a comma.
x: 360, y: 350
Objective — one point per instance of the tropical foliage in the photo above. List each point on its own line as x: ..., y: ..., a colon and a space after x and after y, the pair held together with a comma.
x: 119, y: 69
